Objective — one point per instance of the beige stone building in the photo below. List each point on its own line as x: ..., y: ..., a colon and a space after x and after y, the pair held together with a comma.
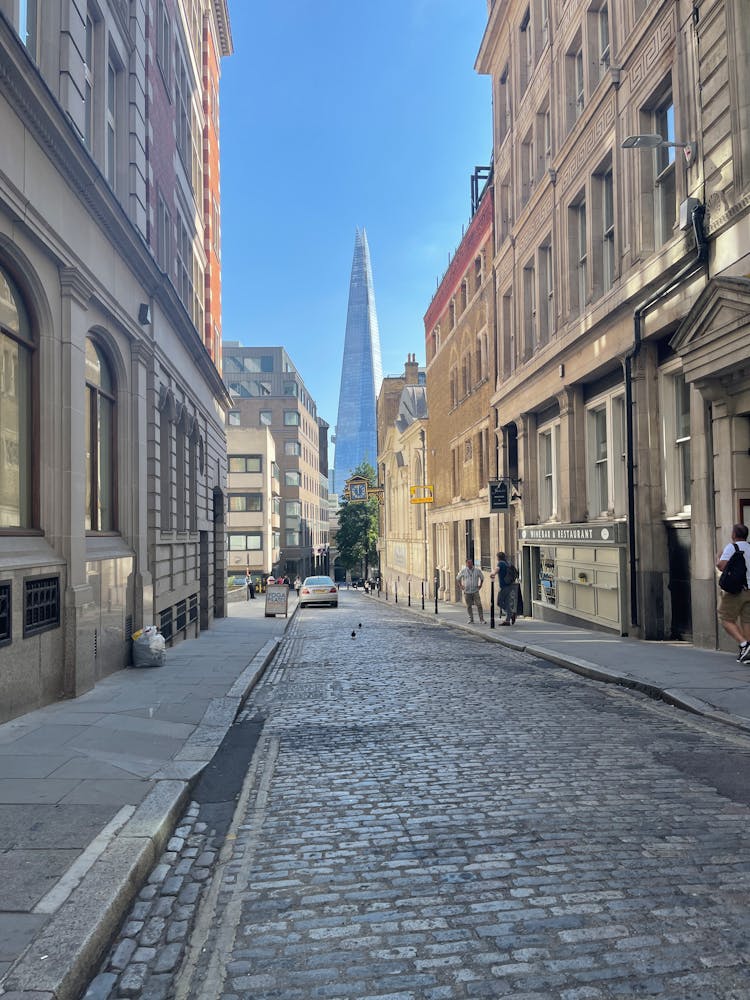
x: 253, y: 519
x: 461, y: 378
x: 622, y: 393
x: 112, y: 446
x: 268, y: 391
x: 403, y: 541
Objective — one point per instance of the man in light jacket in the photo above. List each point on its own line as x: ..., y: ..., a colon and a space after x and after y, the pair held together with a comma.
x: 470, y: 580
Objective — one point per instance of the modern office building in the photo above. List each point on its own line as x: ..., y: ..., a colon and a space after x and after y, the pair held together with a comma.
x: 268, y: 391
x: 113, y: 452
x: 253, y: 516
x: 361, y: 372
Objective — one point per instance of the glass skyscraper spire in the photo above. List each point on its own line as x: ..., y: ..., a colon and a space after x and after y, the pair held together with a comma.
x: 361, y: 372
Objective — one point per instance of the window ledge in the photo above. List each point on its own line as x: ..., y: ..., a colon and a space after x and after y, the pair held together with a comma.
x: 107, y: 547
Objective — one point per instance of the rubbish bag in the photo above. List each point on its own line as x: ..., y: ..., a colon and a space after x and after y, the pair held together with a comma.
x: 149, y: 647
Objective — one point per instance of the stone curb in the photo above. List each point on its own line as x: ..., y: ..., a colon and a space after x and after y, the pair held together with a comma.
x: 67, y: 952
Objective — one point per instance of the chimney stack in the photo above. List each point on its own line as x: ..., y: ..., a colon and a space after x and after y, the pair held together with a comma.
x: 411, y: 370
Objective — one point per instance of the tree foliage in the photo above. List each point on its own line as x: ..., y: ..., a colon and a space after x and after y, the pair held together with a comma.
x: 357, y: 536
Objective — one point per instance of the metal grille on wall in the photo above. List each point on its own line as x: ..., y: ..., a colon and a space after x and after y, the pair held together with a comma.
x: 6, y: 626
x: 193, y: 607
x: 165, y: 624
x: 41, y: 604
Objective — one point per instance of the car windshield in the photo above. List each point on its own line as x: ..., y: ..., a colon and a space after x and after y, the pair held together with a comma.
x: 318, y: 581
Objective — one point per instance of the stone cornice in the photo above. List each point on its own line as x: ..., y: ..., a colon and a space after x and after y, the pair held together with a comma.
x: 223, y: 27
x: 36, y: 106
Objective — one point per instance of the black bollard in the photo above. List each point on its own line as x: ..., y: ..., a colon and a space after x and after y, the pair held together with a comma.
x: 436, y: 593
x: 492, y: 603
x: 422, y: 589
x: 395, y: 591
x: 408, y: 594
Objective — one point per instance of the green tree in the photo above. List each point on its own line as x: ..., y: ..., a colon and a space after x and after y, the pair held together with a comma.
x: 357, y: 536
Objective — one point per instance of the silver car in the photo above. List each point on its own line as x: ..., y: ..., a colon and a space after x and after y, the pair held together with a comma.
x: 319, y: 590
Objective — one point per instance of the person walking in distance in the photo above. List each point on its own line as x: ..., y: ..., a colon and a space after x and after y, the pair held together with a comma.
x: 507, y: 594
x: 734, y: 604
x: 297, y: 584
x: 470, y: 580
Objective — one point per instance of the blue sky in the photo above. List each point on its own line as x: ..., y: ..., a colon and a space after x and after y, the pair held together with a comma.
x: 337, y: 114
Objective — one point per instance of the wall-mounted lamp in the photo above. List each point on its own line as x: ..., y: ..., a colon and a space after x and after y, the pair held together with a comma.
x: 653, y: 141
x: 144, y: 314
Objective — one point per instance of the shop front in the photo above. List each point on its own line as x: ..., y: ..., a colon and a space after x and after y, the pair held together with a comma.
x: 575, y: 573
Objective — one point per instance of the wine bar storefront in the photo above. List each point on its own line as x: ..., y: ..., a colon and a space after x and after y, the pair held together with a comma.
x: 575, y: 573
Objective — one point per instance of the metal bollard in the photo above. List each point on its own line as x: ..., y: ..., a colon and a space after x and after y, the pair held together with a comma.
x: 395, y: 591
x: 422, y: 588
x: 408, y: 594
x: 492, y: 603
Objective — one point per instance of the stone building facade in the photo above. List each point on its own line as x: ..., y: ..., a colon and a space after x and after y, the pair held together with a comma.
x: 253, y: 517
x: 621, y: 396
x: 403, y: 540
x: 268, y: 391
x: 113, y: 453
x: 461, y: 378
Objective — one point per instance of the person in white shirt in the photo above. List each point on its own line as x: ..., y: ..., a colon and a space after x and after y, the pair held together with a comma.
x: 734, y: 609
x: 470, y: 580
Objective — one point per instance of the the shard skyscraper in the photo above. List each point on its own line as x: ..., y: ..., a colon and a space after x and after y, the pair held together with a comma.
x: 361, y: 372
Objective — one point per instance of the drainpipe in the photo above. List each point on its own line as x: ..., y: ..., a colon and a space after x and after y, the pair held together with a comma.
x: 691, y: 268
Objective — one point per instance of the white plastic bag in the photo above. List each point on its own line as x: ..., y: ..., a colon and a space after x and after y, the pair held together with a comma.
x: 149, y: 648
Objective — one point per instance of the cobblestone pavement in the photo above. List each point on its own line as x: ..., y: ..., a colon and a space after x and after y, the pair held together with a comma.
x: 428, y: 816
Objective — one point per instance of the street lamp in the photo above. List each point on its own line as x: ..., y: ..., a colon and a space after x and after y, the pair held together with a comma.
x: 652, y: 140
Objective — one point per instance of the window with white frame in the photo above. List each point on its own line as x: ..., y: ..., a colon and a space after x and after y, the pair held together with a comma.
x: 508, y: 335
x: 505, y: 207
x: 292, y: 479
x: 665, y: 197
x: 89, y: 70
x: 293, y: 508
x: 606, y: 456
x: 164, y: 41
x: 608, y: 229
x: 549, y: 472
x: 99, y: 441
x: 529, y: 309
x: 163, y: 233
x: 292, y: 448
x: 245, y: 463
x: 114, y: 97
x: 503, y: 104
x: 675, y: 392
x: 544, y: 19
x: 250, y: 541
x: 546, y: 305
x: 184, y: 264
x: 526, y: 50
x: 528, y: 166
x: 574, y: 82
x: 182, y: 107
x: 578, y: 250
x: 241, y: 503
x: 291, y: 538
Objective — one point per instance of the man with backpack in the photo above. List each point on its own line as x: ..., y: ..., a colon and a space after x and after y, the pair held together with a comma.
x: 734, y: 582
x: 507, y: 596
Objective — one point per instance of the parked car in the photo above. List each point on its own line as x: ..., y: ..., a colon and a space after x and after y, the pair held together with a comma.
x: 319, y: 590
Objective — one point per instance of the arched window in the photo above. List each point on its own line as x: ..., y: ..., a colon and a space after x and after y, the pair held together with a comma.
x: 100, y: 441
x: 15, y: 408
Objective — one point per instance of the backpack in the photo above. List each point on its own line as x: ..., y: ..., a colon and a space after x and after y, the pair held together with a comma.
x: 511, y: 573
x: 734, y: 575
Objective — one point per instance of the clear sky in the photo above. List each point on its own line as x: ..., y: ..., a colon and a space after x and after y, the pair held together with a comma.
x: 337, y: 114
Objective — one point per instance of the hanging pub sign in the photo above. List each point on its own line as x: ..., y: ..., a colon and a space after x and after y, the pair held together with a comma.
x: 499, y: 491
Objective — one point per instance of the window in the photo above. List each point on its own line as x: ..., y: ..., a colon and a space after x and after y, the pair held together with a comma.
x: 606, y: 452
x: 291, y: 418
x: 290, y: 389
x: 182, y: 107
x: 574, y: 83
x: 266, y: 418
x: 603, y: 37
x: 464, y: 295
x: 665, y: 195
x: 528, y: 167
x: 676, y: 442
x: 545, y: 21
x: 88, y: 84
x: 15, y: 408
x: 477, y: 279
x: 549, y: 465
x: 113, y: 98
x: 503, y: 104
x: 608, y: 230
x: 245, y: 463
x: 529, y: 309
x: 292, y: 479
x: 293, y: 508
x: 245, y: 502
x: 291, y: 537
x: 99, y: 419
x: 526, y: 50
x: 505, y: 209
x: 216, y: 228
x: 251, y: 541
x: 165, y: 468
x: 578, y: 256
x: 28, y: 26
x: 184, y: 263
x: 196, y: 160
x: 546, y: 305
x: 452, y: 311
x: 508, y: 334
x: 292, y: 448
x: 163, y: 234
x: 163, y: 41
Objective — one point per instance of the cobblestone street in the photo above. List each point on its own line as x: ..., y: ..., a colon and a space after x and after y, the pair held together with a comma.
x: 429, y: 816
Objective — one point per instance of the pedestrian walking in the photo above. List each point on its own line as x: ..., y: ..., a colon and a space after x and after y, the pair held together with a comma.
x: 250, y: 586
x: 734, y: 604
x: 297, y: 584
x: 507, y: 593
x: 470, y: 580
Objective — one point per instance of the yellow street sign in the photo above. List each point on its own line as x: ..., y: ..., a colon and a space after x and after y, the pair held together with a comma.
x: 421, y: 494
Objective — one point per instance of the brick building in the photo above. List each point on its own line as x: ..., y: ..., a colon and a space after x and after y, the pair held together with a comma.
x: 111, y: 405
x: 461, y: 373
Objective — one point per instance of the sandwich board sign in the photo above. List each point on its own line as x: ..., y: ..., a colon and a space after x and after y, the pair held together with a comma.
x: 277, y: 600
